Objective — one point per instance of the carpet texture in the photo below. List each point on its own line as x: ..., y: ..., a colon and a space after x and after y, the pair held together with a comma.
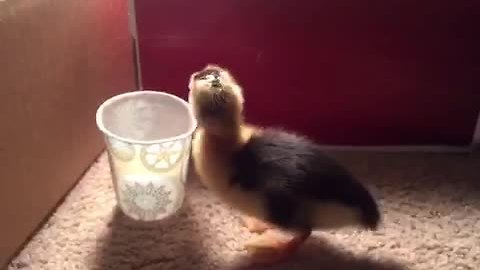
x: 430, y: 203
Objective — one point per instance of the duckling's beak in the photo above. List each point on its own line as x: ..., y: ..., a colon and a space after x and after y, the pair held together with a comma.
x: 216, y: 83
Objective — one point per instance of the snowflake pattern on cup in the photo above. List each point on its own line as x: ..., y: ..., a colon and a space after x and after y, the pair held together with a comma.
x: 147, y: 201
x: 121, y: 150
x: 162, y: 157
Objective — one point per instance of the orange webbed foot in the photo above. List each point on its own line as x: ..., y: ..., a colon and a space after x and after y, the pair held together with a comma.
x: 275, y: 246
x: 255, y: 225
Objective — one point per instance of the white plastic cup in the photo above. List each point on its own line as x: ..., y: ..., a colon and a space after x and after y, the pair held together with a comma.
x: 148, y: 136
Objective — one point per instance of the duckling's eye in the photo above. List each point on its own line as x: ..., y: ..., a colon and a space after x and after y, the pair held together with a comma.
x: 203, y: 77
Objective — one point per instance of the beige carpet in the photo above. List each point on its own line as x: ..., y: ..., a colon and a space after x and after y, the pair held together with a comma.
x: 431, y: 204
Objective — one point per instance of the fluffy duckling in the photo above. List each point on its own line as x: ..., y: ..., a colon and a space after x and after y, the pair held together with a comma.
x: 276, y: 179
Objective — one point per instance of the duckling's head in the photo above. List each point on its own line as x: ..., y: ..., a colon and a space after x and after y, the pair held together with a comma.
x: 216, y: 98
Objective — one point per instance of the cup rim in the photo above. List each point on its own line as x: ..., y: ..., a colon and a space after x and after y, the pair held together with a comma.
x: 112, y: 99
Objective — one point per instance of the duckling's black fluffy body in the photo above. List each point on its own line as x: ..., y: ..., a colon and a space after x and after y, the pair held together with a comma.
x: 275, y: 179
x: 293, y: 174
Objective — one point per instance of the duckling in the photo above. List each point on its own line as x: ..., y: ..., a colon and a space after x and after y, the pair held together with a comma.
x: 276, y: 179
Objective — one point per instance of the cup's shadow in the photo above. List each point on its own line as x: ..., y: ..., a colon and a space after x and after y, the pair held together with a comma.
x: 137, y: 245
x: 317, y: 253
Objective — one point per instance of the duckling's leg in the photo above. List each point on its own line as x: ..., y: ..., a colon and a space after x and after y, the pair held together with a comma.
x: 255, y: 225
x: 274, y: 246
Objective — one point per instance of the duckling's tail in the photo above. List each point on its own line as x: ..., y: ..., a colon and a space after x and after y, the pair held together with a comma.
x: 369, y: 208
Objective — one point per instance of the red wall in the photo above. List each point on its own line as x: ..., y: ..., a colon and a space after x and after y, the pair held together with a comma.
x: 345, y: 72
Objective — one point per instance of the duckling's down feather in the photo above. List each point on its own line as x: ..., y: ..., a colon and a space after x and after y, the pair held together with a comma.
x: 295, y: 178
